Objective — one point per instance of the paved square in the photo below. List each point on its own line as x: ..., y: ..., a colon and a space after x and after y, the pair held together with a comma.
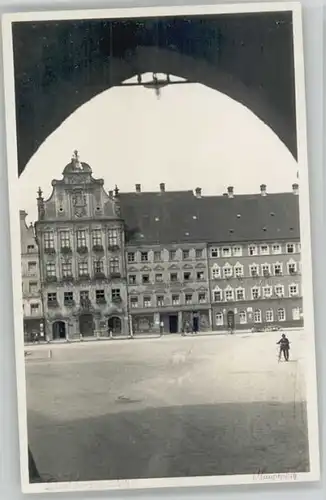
x: 167, y: 407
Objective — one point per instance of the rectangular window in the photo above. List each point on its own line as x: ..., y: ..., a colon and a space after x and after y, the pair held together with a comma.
x: 188, y: 298
x: 229, y: 295
x: 160, y: 301
x: 157, y: 256
x: 68, y: 298
x: 219, y: 319
x: 33, y: 287
x: 35, y: 309
x: 255, y: 293
x: 267, y: 292
x: 144, y: 256
x: 147, y: 302
x: 173, y: 254
x: 158, y: 277
x: 185, y: 254
x: 237, y: 251
x: 50, y: 269
x: 254, y: 270
x: 266, y: 270
x: 113, y: 237
x: 132, y: 280
x: 227, y: 271
x: 199, y: 253
x: 114, y: 265
x: 64, y: 239
x: 133, y: 302
x: 257, y: 316
x: 279, y: 290
x: 131, y: 257
x: 48, y: 239
x: 238, y: 271
x: 30, y: 248
x: 293, y: 290
x: 240, y: 294
x: 214, y: 252
x: 216, y: 273
x: 290, y: 248
x: 202, y: 297
x: 217, y: 295
x: 115, y: 294
x: 99, y: 295
x: 242, y: 317
x: 186, y: 276
x: 269, y: 315
x: 97, y: 237
x: 296, y: 314
x: 264, y: 249
x: 175, y: 300
x: 252, y: 250
x: 200, y: 275
x: 83, y: 268
x: 52, y: 297
x: 278, y: 269
x: 226, y: 252
x: 145, y: 279
x: 81, y: 238
x: 281, y: 314
x: 98, y: 267
x: 174, y: 277
x: 292, y: 268
x: 276, y: 248
x: 66, y: 269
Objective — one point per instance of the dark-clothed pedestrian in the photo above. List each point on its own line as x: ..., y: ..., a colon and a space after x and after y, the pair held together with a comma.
x: 284, y: 347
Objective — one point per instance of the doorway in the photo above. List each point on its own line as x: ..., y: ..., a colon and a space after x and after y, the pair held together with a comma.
x: 195, y: 323
x: 173, y: 323
x: 59, y: 330
x: 230, y: 320
x: 86, y: 325
x: 114, y: 325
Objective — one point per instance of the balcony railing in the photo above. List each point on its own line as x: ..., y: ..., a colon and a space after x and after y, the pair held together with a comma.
x: 49, y: 250
x: 99, y: 275
x: 101, y: 300
x: 51, y: 279
x: 83, y: 277
x: 115, y: 274
x: 98, y: 248
x: 113, y: 248
x: 82, y: 249
x: 52, y: 304
x: 66, y: 250
x: 68, y: 278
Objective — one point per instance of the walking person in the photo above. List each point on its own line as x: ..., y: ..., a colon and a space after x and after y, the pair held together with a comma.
x: 284, y: 347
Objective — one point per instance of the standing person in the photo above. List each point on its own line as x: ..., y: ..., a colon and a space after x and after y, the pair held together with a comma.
x: 284, y: 347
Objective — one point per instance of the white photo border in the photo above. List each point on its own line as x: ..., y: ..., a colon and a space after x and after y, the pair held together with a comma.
x: 308, y: 302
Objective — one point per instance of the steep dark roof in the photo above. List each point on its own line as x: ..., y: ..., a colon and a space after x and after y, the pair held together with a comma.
x: 176, y: 217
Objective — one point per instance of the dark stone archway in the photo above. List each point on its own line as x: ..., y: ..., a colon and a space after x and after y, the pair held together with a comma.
x: 60, y: 65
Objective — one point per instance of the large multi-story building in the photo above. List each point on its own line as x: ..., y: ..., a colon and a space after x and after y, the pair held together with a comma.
x: 167, y: 261
x: 31, y: 287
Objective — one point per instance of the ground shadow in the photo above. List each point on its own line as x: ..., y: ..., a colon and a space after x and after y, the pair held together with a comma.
x: 178, y: 441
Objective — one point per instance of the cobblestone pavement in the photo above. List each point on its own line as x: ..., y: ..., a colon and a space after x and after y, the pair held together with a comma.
x: 167, y: 407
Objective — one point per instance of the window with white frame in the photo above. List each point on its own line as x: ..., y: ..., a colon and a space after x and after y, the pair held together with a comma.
x: 279, y: 291
x: 281, y: 314
x: 237, y: 251
x: 293, y: 290
x: 144, y: 256
x: 66, y: 269
x: 202, y: 297
x: 240, y: 294
x: 255, y: 292
x: 292, y: 267
x: 238, y: 270
x: 48, y: 239
x: 81, y: 238
x: 113, y: 237
x: 227, y: 271
x: 131, y: 256
x: 264, y: 249
x: 134, y: 302
x: 266, y: 269
x: 290, y: 248
x: 147, y: 301
x: 267, y: 292
x: 83, y: 269
x: 64, y: 239
x: 269, y: 315
x: 257, y: 316
x: 276, y: 248
x: 242, y: 317
x: 278, y: 269
x: 219, y: 319
x: 114, y: 265
x: 296, y: 316
x: 252, y: 250
x: 188, y: 298
x: 254, y: 270
x: 215, y: 252
x: 229, y: 294
x: 217, y: 295
x: 50, y: 269
x: 175, y: 300
x: 226, y: 252
x: 216, y: 272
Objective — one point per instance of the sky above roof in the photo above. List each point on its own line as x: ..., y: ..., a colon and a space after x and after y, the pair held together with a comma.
x: 191, y: 136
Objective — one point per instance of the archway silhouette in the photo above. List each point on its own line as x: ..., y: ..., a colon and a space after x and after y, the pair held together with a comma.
x: 249, y: 57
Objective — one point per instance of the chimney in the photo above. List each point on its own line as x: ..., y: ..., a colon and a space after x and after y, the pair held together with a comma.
x: 138, y: 188
x: 230, y: 192
x: 198, y: 192
x: 162, y: 187
x: 295, y: 188
x: 263, y: 188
